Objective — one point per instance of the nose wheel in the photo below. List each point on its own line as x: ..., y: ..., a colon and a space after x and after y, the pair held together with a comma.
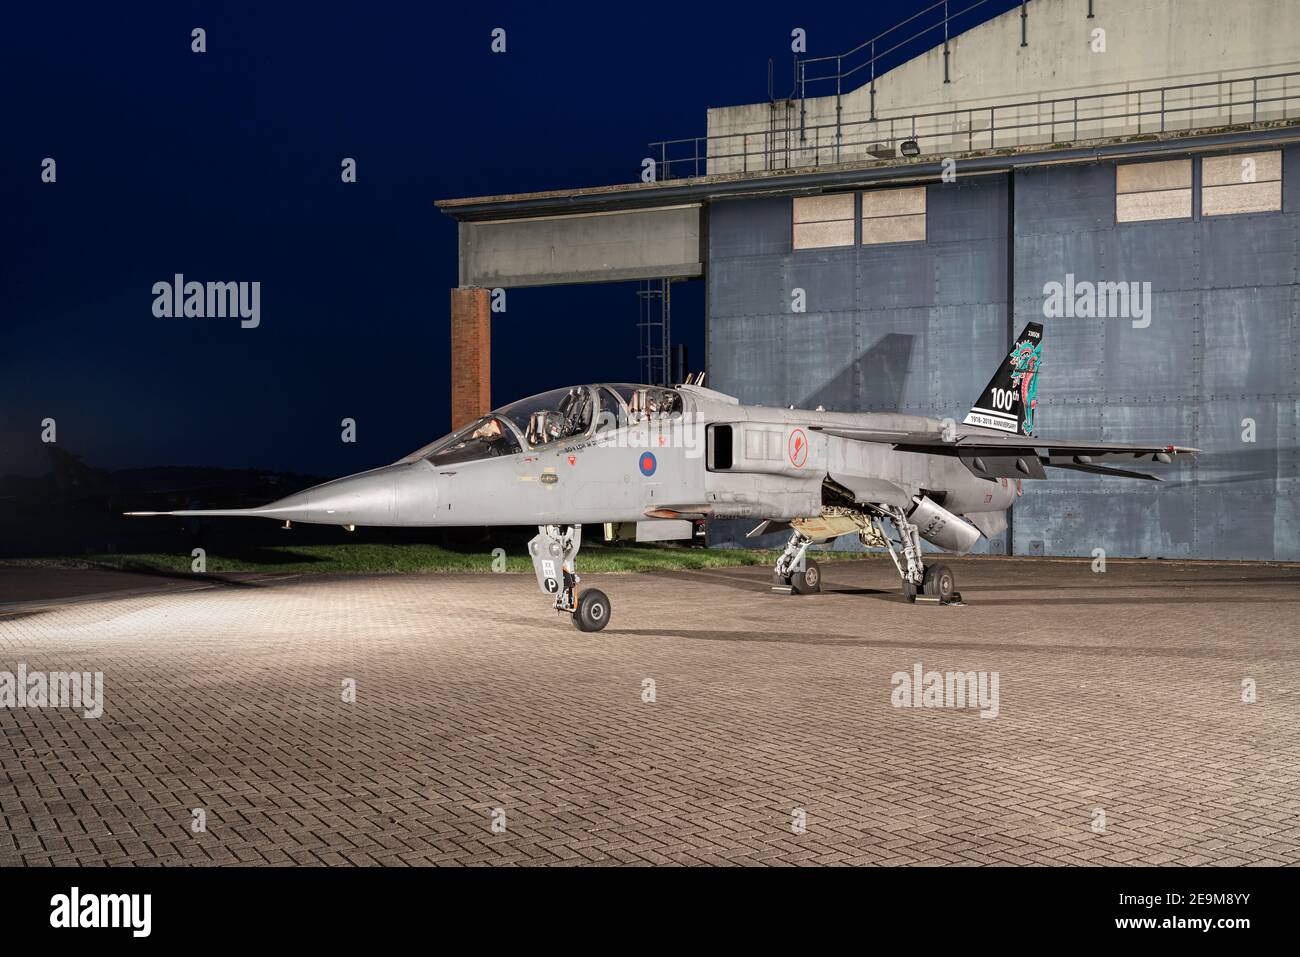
x: 592, y: 613
x: 554, y: 551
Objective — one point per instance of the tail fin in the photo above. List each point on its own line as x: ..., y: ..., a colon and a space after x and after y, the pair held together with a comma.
x: 1009, y: 401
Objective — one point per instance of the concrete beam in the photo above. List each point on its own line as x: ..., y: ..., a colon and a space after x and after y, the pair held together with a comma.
x: 599, y: 247
x: 858, y: 174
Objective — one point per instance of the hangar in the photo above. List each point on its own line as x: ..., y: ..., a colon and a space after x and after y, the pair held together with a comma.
x: 874, y: 240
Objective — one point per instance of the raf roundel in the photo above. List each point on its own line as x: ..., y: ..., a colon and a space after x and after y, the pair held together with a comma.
x: 648, y: 463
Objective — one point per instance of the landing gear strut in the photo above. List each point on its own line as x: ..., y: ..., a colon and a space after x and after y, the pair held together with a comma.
x: 795, y: 573
x: 554, y: 551
x: 934, y: 581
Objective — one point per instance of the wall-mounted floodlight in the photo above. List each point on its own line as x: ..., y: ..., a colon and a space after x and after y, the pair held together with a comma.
x: 909, y: 148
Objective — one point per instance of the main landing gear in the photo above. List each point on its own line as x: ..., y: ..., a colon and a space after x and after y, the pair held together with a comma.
x: 554, y: 550
x: 796, y: 574
x: 931, y: 581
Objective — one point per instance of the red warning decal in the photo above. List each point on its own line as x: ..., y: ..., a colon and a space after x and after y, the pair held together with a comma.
x: 798, y: 448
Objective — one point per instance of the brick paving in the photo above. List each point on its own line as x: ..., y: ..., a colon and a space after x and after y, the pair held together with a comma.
x: 1119, y: 692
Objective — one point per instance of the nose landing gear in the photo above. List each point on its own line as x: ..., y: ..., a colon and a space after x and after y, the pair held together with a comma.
x: 554, y: 550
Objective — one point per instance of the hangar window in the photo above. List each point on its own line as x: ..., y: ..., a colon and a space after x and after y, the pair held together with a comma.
x: 893, y: 216
x: 1241, y: 183
x: 1147, y: 191
x: 821, y: 221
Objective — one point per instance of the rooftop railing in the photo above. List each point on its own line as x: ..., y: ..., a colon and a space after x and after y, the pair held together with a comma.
x: 836, y: 74
x: 787, y: 143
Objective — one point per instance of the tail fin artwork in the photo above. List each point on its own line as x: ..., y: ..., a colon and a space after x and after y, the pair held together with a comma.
x: 1009, y: 401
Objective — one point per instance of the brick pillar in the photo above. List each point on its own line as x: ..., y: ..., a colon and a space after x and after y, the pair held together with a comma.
x: 471, y: 355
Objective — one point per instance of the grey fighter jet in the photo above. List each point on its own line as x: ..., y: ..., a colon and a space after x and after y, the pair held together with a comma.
x: 659, y: 459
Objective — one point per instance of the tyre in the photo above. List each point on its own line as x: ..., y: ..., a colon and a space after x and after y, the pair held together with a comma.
x: 940, y: 583
x: 808, y: 581
x: 593, y: 610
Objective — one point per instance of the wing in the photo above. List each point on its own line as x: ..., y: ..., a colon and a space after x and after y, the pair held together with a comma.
x: 991, y: 455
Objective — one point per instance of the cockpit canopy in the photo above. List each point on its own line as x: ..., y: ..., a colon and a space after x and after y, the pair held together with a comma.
x: 551, y: 417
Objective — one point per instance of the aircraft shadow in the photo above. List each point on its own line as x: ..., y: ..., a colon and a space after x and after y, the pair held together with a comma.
x: 761, y: 581
x: 210, y: 578
x: 880, y: 373
x: 795, y: 638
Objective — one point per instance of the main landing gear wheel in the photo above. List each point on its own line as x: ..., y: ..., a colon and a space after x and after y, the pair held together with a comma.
x: 808, y: 581
x: 592, y: 613
x: 940, y: 583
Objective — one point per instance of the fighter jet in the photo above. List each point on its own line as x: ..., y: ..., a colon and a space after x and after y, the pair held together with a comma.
x: 624, y: 455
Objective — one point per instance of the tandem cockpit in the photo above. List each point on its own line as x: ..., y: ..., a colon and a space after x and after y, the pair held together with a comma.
x: 559, y: 416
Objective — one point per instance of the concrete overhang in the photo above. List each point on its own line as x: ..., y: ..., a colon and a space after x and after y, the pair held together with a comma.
x: 702, y: 189
x: 660, y: 242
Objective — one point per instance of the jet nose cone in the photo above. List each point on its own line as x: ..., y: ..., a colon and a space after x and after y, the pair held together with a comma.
x: 403, y: 494
x: 418, y: 493
x: 368, y: 498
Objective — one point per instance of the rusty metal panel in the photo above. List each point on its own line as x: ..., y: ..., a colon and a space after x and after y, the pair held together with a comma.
x: 1216, y: 368
x: 915, y: 326
x: 1039, y: 205
x: 1253, y: 250
x: 1214, y: 363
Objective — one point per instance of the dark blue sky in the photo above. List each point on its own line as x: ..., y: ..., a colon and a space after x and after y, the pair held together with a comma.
x: 225, y: 166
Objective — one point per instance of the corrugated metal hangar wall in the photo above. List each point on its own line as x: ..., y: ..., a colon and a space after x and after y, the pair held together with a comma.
x: 919, y: 326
